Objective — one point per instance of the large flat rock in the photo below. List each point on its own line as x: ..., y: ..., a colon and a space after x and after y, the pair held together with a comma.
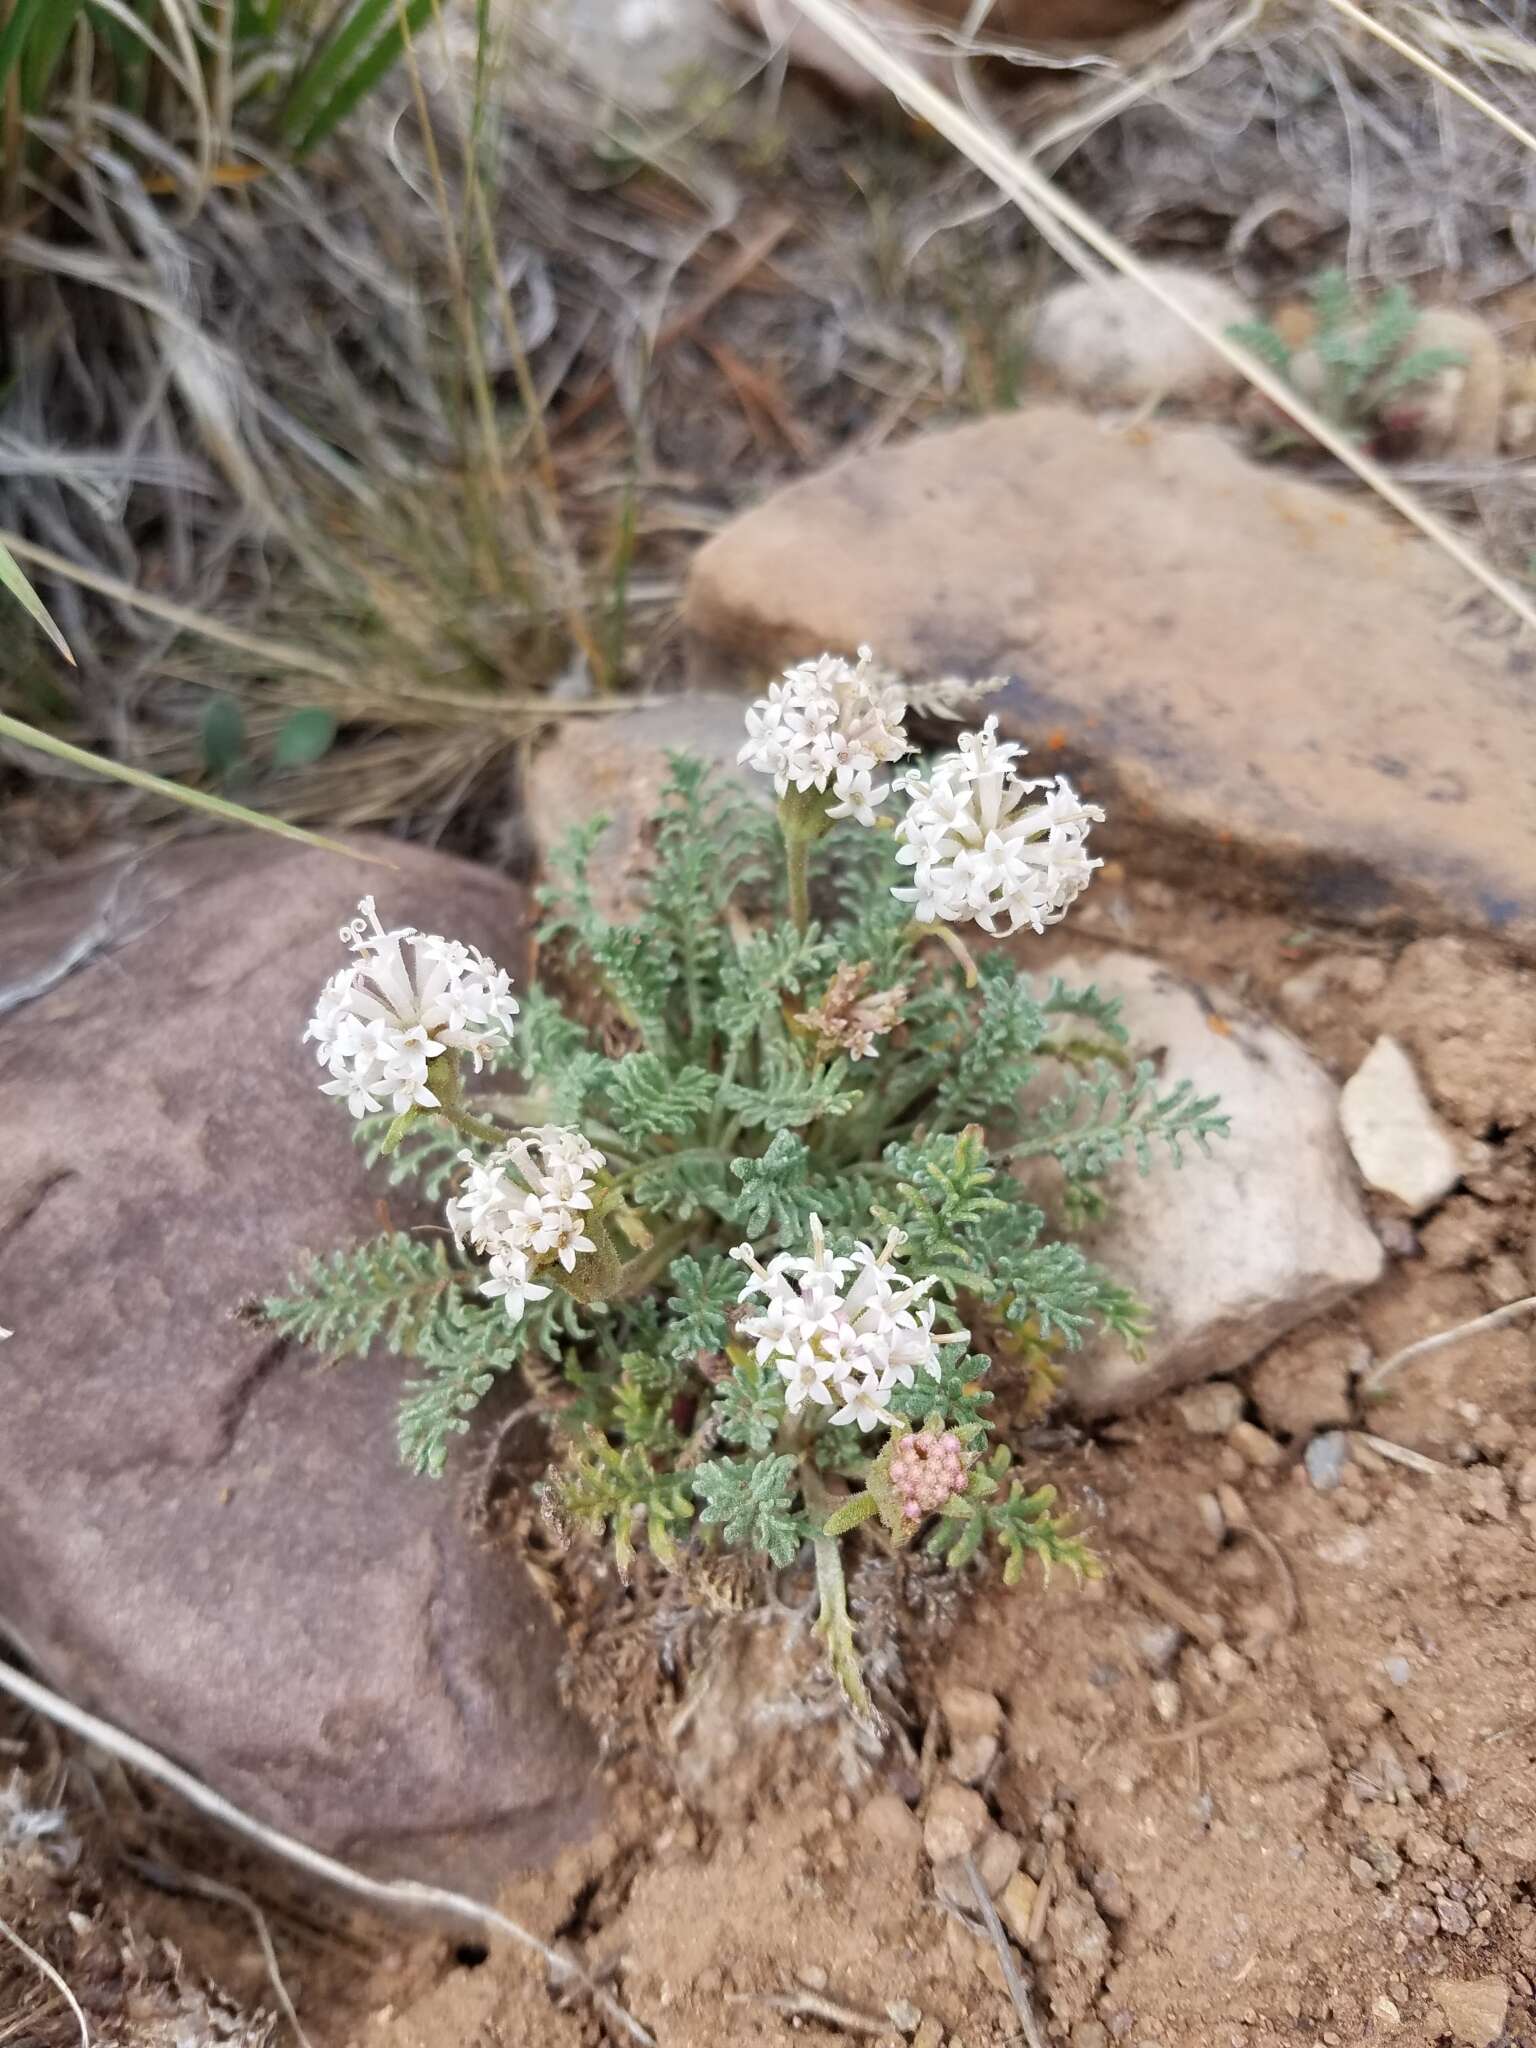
x: 1258, y: 674
x: 204, y: 1535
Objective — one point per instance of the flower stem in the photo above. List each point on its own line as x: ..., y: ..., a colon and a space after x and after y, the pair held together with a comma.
x: 797, y: 857
x: 833, y: 1624
x: 952, y: 942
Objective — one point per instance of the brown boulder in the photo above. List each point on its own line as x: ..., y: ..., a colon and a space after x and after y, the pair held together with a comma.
x: 1260, y: 675
x: 205, y: 1536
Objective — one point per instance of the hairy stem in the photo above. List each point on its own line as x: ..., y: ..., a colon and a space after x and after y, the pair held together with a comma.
x: 797, y: 859
x: 834, y: 1624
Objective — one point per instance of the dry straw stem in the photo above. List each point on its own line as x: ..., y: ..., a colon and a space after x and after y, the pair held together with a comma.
x: 1047, y: 208
x: 1494, y: 1320
x: 395, y: 1894
x: 1436, y: 71
x: 42, y: 1963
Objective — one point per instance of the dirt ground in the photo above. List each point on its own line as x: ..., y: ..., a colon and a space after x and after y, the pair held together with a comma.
x: 1275, y: 1777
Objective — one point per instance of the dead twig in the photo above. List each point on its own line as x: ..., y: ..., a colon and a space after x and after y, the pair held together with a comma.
x: 1494, y: 1320
x: 1200, y: 1628
x: 810, y: 2005
x: 1018, y: 1990
x: 1212, y: 1725
x: 401, y: 1894
x: 42, y: 1963
x: 1400, y: 1454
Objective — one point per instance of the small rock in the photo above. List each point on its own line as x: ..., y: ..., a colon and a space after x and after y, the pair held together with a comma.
x: 1229, y: 1665
x: 1108, y: 342
x: 813, y: 1977
x: 955, y: 1822
x: 1158, y: 1646
x: 1166, y: 1701
x: 930, y: 2034
x: 1253, y: 1446
x: 1398, y: 1669
x: 1017, y: 1906
x: 904, y: 2016
x: 1420, y: 1923
x: 1475, y: 2008
x: 1302, y: 1386
x: 1453, y: 1916
x: 1270, y: 1230
x: 1422, y: 1848
x: 974, y: 1720
x: 1325, y: 1458
x: 1525, y: 1480
x: 1387, y: 2011
x: 1212, y: 1520
x: 1400, y: 1146
x: 1210, y: 1410
x: 997, y: 1858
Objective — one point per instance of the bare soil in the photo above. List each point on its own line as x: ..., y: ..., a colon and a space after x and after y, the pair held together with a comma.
x: 1339, y: 1817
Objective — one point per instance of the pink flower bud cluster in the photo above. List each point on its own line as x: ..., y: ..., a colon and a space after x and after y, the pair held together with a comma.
x: 926, y: 1472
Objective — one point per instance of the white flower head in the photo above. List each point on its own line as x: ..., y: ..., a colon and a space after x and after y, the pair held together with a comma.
x: 830, y: 725
x: 407, y: 998
x: 525, y: 1208
x: 985, y: 844
x: 835, y: 1339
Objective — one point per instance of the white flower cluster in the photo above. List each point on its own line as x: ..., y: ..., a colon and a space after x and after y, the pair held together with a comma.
x: 829, y: 725
x: 521, y: 1225
x: 380, y: 1021
x: 985, y: 844
x: 836, y: 1340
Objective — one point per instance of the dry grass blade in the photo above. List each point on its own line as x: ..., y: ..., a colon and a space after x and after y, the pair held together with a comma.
x: 175, y: 792
x: 1035, y: 195
x: 1436, y: 71
x: 397, y: 1894
x: 46, y: 1968
x: 1496, y: 1319
x: 170, y: 1879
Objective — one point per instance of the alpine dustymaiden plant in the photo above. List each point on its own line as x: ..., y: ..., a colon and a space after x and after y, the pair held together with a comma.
x: 745, y: 1211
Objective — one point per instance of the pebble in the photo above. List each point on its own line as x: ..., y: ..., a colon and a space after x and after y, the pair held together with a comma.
x: 904, y: 2016
x: 1253, y: 1446
x: 975, y: 1722
x: 930, y: 2034
x: 1212, y: 1520
x: 1400, y: 1146
x: 1158, y: 1646
x: 1525, y: 1480
x: 1420, y: 1922
x: 1388, y: 2011
x: 813, y: 1977
x: 1229, y: 1665
x: 1325, y: 1458
x: 1453, y: 1916
x: 956, y: 1820
x: 1166, y: 1701
x: 1423, y: 1848
x: 1211, y: 1410
x: 1397, y: 1669
x: 1017, y: 1906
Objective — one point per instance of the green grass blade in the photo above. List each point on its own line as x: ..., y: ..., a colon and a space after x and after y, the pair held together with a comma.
x: 196, y: 799
x: 13, y: 36
x: 28, y: 599
x: 346, y: 67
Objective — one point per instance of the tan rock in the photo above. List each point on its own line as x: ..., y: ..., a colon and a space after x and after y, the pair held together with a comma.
x: 1401, y: 1147
x: 616, y: 767
x: 955, y: 1821
x: 974, y: 1720
x: 1017, y: 1906
x: 1230, y: 1251
x: 1107, y: 341
x: 1227, y: 656
x: 1210, y: 1410
x: 1475, y: 2008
